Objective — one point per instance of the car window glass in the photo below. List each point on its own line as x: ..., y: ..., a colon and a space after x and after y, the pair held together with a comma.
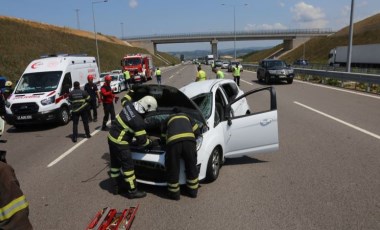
x: 231, y: 91
x: 219, y: 107
x: 39, y: 82
x: 259, y: 102
x: 204, y: 102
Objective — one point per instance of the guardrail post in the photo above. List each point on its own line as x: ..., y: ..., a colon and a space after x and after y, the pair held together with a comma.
x: 369, y: 86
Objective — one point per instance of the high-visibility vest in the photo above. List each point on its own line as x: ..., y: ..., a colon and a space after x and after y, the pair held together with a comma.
x: 236, y: 71
x: 158, y: 72
x: 219, y: 74
x: 126, y: 75
x: 201, y: 76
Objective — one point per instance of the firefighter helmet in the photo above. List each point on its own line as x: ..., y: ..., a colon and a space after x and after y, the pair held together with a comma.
x: 108, y: 78
x: 8, y: 83
x: 90, y: 77
x: 146, y: 104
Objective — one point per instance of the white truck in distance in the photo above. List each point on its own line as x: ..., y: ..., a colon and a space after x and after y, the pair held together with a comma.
x: 364, y: 56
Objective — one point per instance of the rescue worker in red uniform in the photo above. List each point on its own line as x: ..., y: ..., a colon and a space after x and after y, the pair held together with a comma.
x: 180, y: 132
x: 14, y: 208
x: 129, y: 124
x: 79, y: 100
x: 93, y: 91
x: 107, y: 99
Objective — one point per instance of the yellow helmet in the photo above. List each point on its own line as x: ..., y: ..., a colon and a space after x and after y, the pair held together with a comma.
x: 8, y: 83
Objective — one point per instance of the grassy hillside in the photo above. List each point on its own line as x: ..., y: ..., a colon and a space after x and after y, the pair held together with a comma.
x: 22, y: 41
x: 259, y: 55
x: 366, y: 31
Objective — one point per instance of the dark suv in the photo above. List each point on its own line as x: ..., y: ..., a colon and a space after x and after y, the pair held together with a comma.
x: 274, y: 70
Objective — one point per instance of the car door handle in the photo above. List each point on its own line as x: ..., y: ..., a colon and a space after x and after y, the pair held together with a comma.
x: 266, y: 121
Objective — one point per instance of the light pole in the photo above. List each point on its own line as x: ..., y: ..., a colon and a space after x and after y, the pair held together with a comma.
x: 349, y: 50
x: 234, y: 6
x: 77, y: 10
x: 96, y: 40
x: 122, y: 30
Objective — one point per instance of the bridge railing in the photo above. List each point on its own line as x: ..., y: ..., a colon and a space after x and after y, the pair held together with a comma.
x: 358, y: 81
x: 238, y: 33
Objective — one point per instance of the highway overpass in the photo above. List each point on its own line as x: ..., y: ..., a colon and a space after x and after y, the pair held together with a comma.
x: 291, y: 37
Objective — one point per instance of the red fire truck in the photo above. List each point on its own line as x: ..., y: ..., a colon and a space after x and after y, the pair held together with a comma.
x: 143, y: 63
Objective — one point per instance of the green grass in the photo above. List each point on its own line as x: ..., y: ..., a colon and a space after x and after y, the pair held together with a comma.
x: 23, y: 41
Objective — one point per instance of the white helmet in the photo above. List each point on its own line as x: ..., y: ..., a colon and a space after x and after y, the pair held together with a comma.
x: 146, y: 104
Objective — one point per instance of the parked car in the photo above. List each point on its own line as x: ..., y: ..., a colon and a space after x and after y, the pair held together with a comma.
x: 271, y: 70
x: 231, y: 65
x: 229, y: 127
x: 118, y: 82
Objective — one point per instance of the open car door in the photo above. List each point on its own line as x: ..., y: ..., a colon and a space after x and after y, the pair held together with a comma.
x: 257, y: 131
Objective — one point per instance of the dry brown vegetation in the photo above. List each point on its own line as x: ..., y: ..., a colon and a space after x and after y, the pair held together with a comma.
x: 22, y: 41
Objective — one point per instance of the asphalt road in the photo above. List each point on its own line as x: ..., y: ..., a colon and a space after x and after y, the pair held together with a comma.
x: 325, y: 175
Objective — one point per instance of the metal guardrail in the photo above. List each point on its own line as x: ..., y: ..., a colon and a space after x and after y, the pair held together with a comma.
x: 331, y: 74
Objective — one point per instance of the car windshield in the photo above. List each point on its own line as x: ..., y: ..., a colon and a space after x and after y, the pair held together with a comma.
x: 276, y: 64
x: 115, y: 77
x: 38, y: 82
x: 132, y: 61
x: 204, y: 102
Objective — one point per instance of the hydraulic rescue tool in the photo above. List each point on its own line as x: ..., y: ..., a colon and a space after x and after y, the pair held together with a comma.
x: 110, y: 219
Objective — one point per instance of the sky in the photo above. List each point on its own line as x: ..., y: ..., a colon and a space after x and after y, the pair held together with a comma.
x: 149, y: 17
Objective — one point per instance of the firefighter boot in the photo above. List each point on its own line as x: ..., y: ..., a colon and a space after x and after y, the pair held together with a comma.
x: 135, y: 193
x: 191, y: 192
x: 174, y: 195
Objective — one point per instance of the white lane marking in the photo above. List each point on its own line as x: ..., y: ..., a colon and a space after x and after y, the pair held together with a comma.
x: 65, y: 154
x: 340, y: 121
x: 337, y: 89
x: 246, y: 81
x: 171, y: 76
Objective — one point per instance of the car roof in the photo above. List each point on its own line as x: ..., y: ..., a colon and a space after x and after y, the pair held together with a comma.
x: 195, y: 88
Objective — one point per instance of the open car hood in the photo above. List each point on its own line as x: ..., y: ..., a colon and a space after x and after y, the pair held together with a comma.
x: 169, y: 100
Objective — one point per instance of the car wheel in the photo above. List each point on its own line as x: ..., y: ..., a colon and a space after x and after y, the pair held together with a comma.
x: 213, y: 165
x: 64, y: 116
x: 290, y: 81
x: 267, y: 80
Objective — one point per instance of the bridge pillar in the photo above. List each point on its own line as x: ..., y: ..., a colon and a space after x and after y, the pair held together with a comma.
x: 214, y: 48
x: 294, y: 43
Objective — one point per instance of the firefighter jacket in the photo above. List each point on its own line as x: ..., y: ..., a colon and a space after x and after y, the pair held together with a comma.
x: 79, y: 100
x: 180, y: 127
x: 14, y: 209
x: 129, y: 124
x: 107, y: 94
x: 127, y: 97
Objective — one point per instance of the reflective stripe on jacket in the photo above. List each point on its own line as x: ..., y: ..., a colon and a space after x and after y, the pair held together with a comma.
x: 180, y: 127
x: 79, y: 100
x: 128, y: 124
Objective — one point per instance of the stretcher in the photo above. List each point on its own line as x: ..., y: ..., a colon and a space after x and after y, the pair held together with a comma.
x: 110, y: 219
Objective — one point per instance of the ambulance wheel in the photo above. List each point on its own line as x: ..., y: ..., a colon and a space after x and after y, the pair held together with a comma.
x: 64, y: 116
x: 214, y: 164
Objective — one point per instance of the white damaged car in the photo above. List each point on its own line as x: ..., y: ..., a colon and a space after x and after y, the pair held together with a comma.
x: 230, y: 128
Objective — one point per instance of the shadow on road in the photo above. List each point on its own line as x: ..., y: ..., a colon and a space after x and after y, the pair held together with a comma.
x: 242, y: 160
x: 31, y: 128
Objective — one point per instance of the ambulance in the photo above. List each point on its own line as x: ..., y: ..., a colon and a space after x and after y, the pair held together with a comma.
x: 41, y: 94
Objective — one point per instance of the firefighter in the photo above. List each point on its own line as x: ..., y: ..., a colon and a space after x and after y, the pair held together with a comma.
x: 14, y: 208
x: 158, y: 75
x: 236, y: 74
x: 8, y: 89
x: 108, y: 97
x: 201, y: 75
x: 129, y: 124
x: 79, y: 100
x: 93, y: 91
x: 180, y: 133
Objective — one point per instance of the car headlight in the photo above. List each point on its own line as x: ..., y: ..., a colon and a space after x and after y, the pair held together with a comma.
x: 47, y: 101
x: 7, y: 104
x: 199, y: 142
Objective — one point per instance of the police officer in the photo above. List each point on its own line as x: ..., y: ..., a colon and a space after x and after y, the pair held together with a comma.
x: 79, y: 100
x: 236, y: 74
x: 129, y: 124
x: 158, y: 75
x: 93, y: 91
x: 14, y: 208
x: 127, y: 78
x: 201, y: 75
x: 180, y: 135
x: 219, y: 74
x: 108, y: 97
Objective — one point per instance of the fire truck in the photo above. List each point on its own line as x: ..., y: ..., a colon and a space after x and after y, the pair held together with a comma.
x: 140, y: 66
